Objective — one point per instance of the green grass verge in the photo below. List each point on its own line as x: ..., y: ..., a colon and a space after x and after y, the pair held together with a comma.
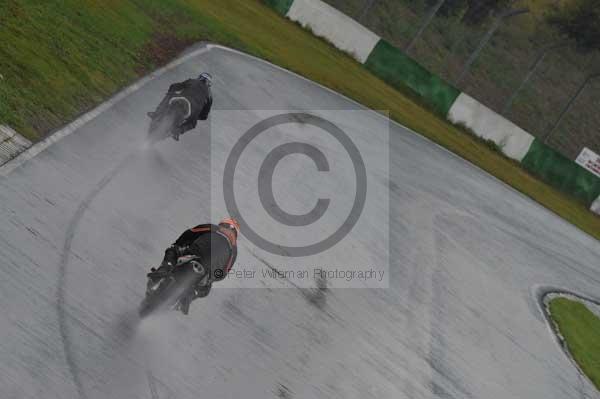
x: 581, y: 331
x: 59, y: 58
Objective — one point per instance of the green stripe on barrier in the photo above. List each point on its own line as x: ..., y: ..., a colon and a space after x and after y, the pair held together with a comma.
x: 561, y: 172
x: 281, y: 6
x: 397, y: 69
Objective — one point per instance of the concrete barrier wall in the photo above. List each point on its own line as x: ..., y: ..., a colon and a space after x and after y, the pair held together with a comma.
x: 11, y: 144
x: 596, y: 206
x: 514, y: 141
x: 396, y: 68
x: 329, y: 23
x: 281, y: 6
x: 562, y: 173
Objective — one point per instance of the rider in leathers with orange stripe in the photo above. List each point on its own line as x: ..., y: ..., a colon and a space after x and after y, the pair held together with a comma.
x: 216, y: 249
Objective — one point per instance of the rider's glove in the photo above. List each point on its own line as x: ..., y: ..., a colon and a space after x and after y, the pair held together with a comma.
x: 173, y: 253
x: 170, y: 259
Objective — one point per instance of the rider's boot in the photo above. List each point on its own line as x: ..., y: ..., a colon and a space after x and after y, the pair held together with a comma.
x: 202, y: 291
x: 199, y: 292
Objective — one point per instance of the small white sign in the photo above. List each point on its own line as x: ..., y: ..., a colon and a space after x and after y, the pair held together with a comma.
x: 589, y: 160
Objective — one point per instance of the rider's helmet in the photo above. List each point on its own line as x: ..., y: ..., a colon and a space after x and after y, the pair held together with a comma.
x: 232, y: 224
x: 206, y: 77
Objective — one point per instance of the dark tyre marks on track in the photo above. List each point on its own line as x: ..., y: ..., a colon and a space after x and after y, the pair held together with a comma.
x: 64, y: 261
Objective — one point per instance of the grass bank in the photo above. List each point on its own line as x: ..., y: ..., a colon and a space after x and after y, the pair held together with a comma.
x: 60, y: 58
x: 581, y: 331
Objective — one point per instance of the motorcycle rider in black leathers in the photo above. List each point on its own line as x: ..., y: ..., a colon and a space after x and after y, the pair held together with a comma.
x: 198, y: 93
x: 216, y: 249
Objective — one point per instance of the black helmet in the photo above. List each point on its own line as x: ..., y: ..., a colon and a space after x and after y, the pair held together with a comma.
x: 207, y: 77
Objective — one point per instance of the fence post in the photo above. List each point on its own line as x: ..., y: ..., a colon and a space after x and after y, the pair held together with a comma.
x: 569, y: 105
x: 531, y: 72
x: 480, y: 7
x: 497, y: 23
x: 425, y: 24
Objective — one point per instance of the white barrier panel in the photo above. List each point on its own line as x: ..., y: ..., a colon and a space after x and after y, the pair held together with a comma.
x: 11, y: 144
x: 341, y: 30
x: 596, y: 206
x: 513, y: 140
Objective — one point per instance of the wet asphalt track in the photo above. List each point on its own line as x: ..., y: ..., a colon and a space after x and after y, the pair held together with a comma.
x: 81, y: 222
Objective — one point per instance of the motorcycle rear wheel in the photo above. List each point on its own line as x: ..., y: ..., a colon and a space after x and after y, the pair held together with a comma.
x: 153, y: 301
x: 162, y: 126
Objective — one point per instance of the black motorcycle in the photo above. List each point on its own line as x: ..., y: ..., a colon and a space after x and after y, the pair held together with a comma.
x: 169, y: 117
x: 172, y: 289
